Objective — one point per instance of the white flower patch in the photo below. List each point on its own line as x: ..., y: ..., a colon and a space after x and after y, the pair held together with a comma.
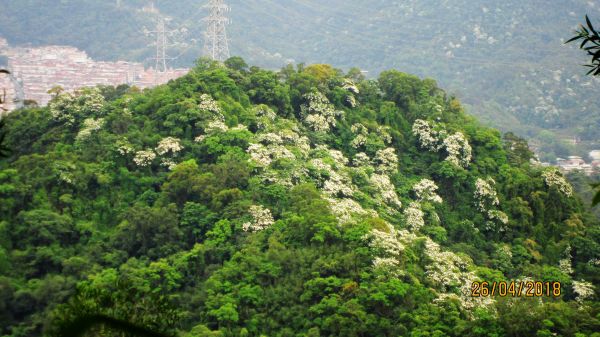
x: 446, y: 268
x: 66, y: 106
x: 414, y: 216
x: 261, y: 219
x: 200, y: 138
x: 346, y: 209
x: 387, y: 241
x: 425, y: 190
x: 428, y: 138
x: 263, y: 156
x: 383, y: 132
x: 583, y: 289
x: 216, y: 126
x: 361, y: 159
x: 386, y: 161
x: 259, y: 154
x: 554, y: 178
x: 459, y: 150
x: 499, y: 216
x: 338, y: 157
x: 144, y: 158
x: 361, y: 133
x: 265, y: 111
x: 124, y: 147
x: 338, y: 185
x: 319, y: 114
x: 565, y: 265
x: 208, y: 104
x: 270, y: 138
x: 485, y: 194
x: 387, y: 190
x: 90, y: 125
x: 168, y: 163
x: 169, y: 145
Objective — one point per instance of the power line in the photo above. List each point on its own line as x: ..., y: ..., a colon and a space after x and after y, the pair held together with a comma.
x: 216, y: 45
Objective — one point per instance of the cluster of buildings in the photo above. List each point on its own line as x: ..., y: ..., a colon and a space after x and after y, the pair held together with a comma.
x: 34, y: 71
x: 576, y: 163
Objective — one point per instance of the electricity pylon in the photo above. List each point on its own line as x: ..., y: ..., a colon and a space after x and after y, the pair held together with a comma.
x: 216, y: 45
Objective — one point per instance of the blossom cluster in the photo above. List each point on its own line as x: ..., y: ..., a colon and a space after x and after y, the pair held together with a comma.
x: 459, y: 150
x: 66, y: 106
x: 427, y: 137
x: 345, y: 209
x: 124, y: 147
x: 361, y: 133
x: 272, y: 146
x: 554, y: 178
x: 335, y: 183
x: 387, y: 241
x: 456, y: 145
x: 485, y: 194
x: 261, y: 219
x: 414, y: 216
x: 386, y: 161
x: 208, y: 104
x: 565, y: 264
x: 90, y: 125
x: 144, y: 158
x: 425, y: 190
x: 388, y: 192
x: 583, y: 289
x: 319, y: 114
x: 169, y: 144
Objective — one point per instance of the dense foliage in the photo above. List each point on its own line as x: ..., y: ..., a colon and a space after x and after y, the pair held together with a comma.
x: 237, y: 201
x: 508, y: 65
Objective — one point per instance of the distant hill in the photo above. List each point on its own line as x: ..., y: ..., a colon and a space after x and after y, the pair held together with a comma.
x: 236, y: 201
x: 505, y: 60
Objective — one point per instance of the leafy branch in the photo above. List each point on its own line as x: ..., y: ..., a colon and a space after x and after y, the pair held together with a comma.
x: 590, y: 42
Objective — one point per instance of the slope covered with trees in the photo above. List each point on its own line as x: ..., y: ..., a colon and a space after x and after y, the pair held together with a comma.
x: 237, y: 201
x: 503, y: 59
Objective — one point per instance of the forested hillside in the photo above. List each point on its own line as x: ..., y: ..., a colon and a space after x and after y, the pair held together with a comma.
x: 505, y: 60
x: 238, y: 201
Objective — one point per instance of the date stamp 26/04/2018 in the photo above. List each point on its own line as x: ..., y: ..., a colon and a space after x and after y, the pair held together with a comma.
x: 516, y: 289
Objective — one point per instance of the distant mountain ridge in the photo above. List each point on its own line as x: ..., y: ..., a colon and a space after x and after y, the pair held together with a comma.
x: 505, y: 60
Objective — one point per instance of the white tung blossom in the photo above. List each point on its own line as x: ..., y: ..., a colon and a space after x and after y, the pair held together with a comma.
x: 90, y: 125
x: 425, y: 190
x: 124, y: 147
x: 583, y: 289
x: 346, y: 209
x: 169, y: 144
x: 261, y: 219
x: 319, y: 114
x: 216, y: 126
x: 387, y: 190
x: 414, y: 216
x: 554, y: 178
x: 428, y: 138
x: 207, y: 103
x: 144, y: 158
x: 459, y: 150
x: 386, y: 161
x: 485, y: 194
x: 361, y: 133
x: 361, y: 159
x: 387, y: 241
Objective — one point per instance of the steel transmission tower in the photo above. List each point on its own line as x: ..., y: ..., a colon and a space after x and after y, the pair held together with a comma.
x: 161, y: 43
x: 216, y: 45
